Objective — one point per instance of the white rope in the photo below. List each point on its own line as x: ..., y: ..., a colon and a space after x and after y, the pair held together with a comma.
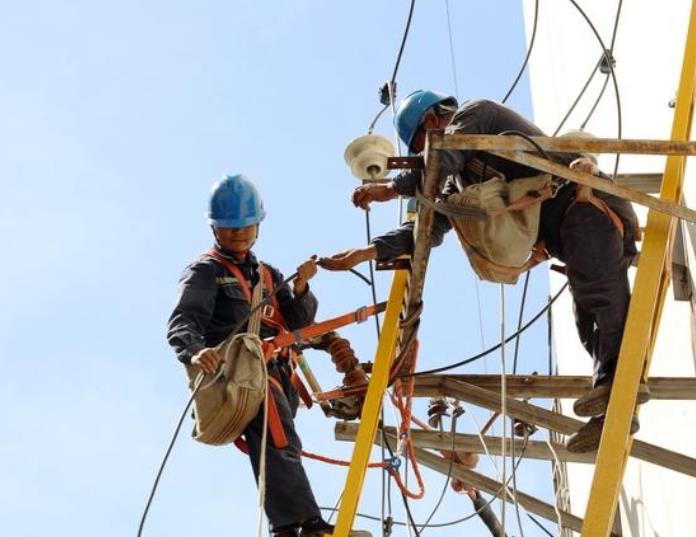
x: 510, y: 493
x: 262, y: 460
x: 503, y: 400
x: 559, y: 474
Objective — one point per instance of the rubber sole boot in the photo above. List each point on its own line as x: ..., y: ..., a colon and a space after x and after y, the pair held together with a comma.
x: 587, y: 438
x: 326, y: 533
x: 318, y: 527
x: 596, y: 401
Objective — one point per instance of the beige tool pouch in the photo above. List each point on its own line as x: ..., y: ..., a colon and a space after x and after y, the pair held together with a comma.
x: 225, y: 405
x: 500, y: 246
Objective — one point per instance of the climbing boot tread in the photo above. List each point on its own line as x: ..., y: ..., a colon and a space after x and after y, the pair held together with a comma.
x: 596, y: 401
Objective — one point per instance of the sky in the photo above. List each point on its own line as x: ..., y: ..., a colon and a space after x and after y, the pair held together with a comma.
x: 117, y: 117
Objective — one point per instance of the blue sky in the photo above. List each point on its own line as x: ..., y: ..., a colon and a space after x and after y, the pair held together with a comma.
x: 116, y: 119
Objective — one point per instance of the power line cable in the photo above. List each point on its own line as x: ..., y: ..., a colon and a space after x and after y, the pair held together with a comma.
x: 607, y: 56
x: 611, y: 59
x: 387, y: 94
x: 451, y: 46
x: 453, y: 432
x: 533, y: 519
x: 530, y: 47
x: 490, y: 349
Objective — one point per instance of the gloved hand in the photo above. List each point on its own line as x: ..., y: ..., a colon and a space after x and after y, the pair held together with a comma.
x: 364, y: 195
x: 347, y: 259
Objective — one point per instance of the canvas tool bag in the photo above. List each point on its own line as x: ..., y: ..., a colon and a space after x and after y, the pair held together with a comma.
x: 503, y: 245
x: 224, y: 406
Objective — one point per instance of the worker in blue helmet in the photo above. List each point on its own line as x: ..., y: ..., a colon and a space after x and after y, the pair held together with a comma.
x: 596, y: 247
x: 211, y: 302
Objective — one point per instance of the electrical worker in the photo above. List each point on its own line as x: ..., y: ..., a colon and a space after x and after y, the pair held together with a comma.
x: 210, y: 303
x: 586, y: 238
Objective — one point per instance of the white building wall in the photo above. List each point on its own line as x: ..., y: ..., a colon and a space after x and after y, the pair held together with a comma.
x: 649, y: 49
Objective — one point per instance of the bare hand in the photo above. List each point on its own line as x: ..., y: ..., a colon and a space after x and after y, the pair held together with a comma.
x: 305, y: 272
x: 208, y: 360
x: 347, y: 259
x: 364, y: 195
x: 584, y: 165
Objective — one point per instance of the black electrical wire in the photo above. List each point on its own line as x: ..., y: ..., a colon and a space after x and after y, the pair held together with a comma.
x: 514, y: 469
x: 361, y: 276
x: 376, y: 118
x: 577, y: 99
x: 547, y: 532
x: 386, y: 482
x: 519, y: 320
x: 527, y: 56
x: 392, y: 82
x: 607, y: 56
x: 596, y: 103
x: 453, y: 432
x: 196, y: 388
x: 493, y: 348
x: 368, y: 233
x: 611, y: 58
x: 403, y: 496
x: 403, y: 44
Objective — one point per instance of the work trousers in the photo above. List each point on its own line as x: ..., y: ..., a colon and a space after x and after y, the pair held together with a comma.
x: 289, y: 497
x: 597, y: 258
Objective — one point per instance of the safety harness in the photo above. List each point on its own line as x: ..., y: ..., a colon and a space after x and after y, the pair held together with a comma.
x: 282, y: 344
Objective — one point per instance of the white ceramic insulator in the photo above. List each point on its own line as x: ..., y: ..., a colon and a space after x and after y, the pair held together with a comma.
x: 367, y: 157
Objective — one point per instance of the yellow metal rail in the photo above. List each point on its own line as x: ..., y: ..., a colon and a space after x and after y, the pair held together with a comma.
x: 371, y: 408
x: 643, y: 319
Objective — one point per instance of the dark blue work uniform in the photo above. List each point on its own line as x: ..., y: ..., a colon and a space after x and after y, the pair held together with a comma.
x: 210, y: 304
x: 596, y: 255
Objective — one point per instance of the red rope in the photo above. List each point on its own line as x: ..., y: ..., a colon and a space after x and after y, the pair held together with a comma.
x: 338, y: 462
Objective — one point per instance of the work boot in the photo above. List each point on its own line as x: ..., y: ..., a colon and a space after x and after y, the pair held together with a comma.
x: 586, y: 439
x: 596, y: 401
x: 317, y: 527
x: 285, y: 533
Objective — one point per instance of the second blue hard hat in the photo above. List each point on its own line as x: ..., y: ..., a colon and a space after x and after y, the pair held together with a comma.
x: 235, y: 202
x: 412, y: 109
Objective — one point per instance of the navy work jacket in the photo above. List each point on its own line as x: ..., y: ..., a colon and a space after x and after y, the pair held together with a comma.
x: 211, y: 302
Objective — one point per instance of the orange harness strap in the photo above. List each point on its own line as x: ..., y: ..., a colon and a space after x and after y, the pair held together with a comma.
x: 584, y: 194
x: 275, y: 426
x: 317, y: 329
x: 271, y: 316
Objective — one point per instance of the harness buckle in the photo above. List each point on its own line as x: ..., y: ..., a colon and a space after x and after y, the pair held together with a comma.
x: 361, y: 315
x: 393, y: 463
x: 268, y: 311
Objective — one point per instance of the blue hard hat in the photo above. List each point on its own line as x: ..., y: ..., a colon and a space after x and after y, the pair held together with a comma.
x: 235, y: 202
x: 412, y: 109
